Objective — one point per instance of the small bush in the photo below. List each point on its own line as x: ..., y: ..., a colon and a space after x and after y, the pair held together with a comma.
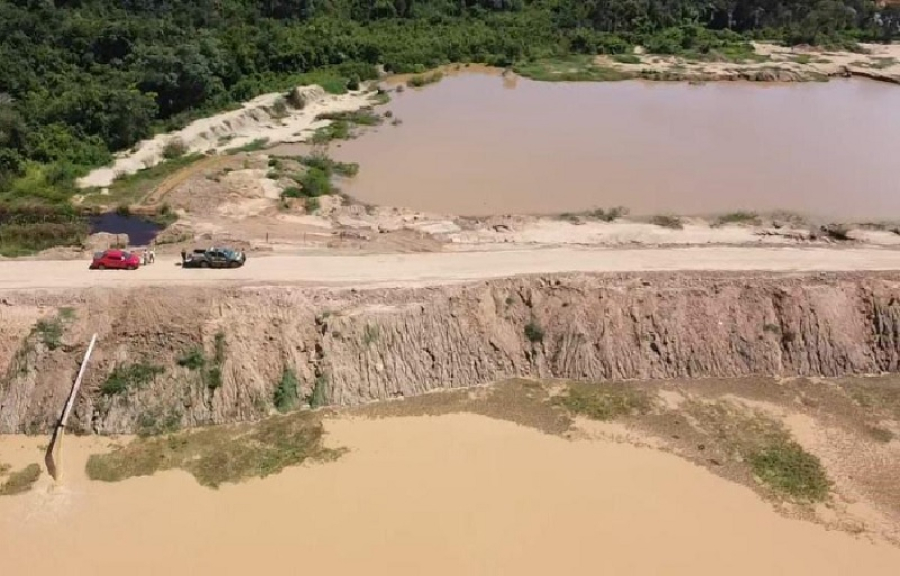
x: 420, y: 80
x: 837, y: 232
x: 123, y: 210
x: 319, y: 396
x: 611, y: 214
x: 193, y: 359
x: 738, y: 217
x: 214, y: 378
x: 173, y: 149
x: 315, y: 182
x: 50, y: 332
x: 330, y: 167
x: 219, y: 347
x: 533, y: 332
x: 295, y: 99
x: 292, y: 192
x: 286, y: 395
x: 370, y: 334
x: 21, y: 481
x: 667, y: 221
x: 626, y: 58
x: 605, y: 401
x: 123, y: 378
x: 279, y: 108
x: 312, y: 205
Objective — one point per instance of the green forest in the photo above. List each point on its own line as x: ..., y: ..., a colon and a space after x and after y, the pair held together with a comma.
x: 81, y: 79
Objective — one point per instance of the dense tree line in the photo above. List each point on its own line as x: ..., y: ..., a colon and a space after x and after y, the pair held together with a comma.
x: 80, y: 79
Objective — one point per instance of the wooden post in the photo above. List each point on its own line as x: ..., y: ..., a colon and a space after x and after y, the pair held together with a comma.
x: 56, y: 441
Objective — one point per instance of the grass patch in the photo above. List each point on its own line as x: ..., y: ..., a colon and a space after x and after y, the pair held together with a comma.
x: 21, y: 481
x: 604, y: 401
x: 789, y: 469
x: 222, y: 454
x: 802, y: 59
x: 4, y: 469
x: 626, y: 58
x: 420, y: 80
x: 329, y: 166
x: 775, y: 459
x: 131, y: 188
x: 739, y: 217
x: 570, y: 69
x: 361, y: 117
x: 287, y: 392
x: 667, y: 221
x: 253, y: 146
x: 337, y: 130
x: 156, y: 421
x: 127, y: 377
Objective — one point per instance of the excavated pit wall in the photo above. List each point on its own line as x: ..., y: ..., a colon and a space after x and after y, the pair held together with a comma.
x: 364, y: 346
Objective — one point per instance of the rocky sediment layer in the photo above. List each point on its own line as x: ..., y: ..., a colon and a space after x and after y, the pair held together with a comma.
x: 194, y: 356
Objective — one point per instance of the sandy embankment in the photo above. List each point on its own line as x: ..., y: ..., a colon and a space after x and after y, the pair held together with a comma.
x: 458, y: 494
x: 777, y: 64
x: 255, y: 120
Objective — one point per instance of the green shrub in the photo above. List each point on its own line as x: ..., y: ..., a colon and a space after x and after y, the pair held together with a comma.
x: 174, y: 148
x: 193, y: 359
x: 127, y: 377
x: 533, y: 332
x: 286, y: 392
x: 626, y: 58
x: 50, y: 332
x: 319, y: 396
x: 420, y: 80
x: 312, y: 205
x: 667, y: 221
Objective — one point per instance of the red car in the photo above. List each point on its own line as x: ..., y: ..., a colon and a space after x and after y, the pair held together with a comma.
x: 115, y: 260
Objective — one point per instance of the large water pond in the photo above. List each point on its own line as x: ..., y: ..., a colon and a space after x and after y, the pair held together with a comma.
x: 478, y: 144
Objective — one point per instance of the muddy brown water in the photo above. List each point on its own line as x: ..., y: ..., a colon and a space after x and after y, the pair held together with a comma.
x: 458, y: 494
x: 479, y: 144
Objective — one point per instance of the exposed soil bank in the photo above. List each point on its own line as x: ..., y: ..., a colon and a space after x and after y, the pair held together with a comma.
x: 196, y: 356
x: 453, y: 495
x: 478, y: 145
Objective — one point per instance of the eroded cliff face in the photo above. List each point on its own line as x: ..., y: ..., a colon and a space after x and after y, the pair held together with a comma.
x: 186, y: 357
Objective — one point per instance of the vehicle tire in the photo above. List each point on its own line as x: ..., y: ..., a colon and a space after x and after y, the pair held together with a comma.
x: 101, y: 267
x: 132, y: 267
x: 204, y: 264
x: 234, y: 264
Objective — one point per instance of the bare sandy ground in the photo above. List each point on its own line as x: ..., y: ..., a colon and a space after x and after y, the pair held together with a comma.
x: 442, y: 267
x: 459, y: 494
x: 881, y: 62
x: 257, y: 119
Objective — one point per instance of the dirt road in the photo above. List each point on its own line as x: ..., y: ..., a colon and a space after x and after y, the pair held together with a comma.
x: 441, y: 268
